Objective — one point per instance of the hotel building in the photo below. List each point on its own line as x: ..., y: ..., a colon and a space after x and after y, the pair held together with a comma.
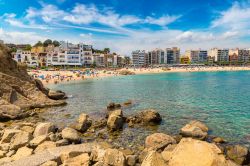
x: 140, y: 58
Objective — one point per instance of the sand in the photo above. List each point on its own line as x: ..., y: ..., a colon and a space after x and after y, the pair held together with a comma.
x: 62, y: 76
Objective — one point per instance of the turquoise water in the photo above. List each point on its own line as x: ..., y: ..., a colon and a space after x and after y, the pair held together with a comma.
x: 220, y: 99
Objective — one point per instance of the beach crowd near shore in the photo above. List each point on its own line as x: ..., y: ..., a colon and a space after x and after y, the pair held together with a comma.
x: 58, y: 76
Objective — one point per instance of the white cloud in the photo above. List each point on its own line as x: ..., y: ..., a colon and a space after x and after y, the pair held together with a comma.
x: 20, y: 37
x: 162, y: 21
x: 236, y: 18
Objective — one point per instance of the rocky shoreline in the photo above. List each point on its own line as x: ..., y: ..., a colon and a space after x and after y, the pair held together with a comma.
x: 43, y: 143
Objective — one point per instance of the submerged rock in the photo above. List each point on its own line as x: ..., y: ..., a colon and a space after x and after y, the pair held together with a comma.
x: 146, y: 117
x: 112, y: 106
x: 239, y: 154
x: 195, y: 129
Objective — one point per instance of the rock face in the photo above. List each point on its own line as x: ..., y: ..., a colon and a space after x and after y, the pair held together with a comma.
x: 159, y: 139
x: 195, y: 129
x: 146, y: 117
x: 238, y: 154
x: 17, y: 87
x: 10, y: 111
x: 115, y: 120
x: 192, y: 152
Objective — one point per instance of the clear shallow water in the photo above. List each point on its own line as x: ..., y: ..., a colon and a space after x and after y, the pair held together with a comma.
x: 220, y: 99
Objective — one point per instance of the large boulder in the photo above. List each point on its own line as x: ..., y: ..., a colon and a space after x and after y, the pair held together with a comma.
x: 70, y: 134
x: 153, y: 158
x: 195, y: 129
x: 20, y: 139
x: 44, y: 129
x: 239, y: 154
x: 83, y: 123
x: 115, y: 120
x: 56, y: 95
x: 146, y: 117
x: 192, y: 152
x: 114, y: 157
x: 159, y: 140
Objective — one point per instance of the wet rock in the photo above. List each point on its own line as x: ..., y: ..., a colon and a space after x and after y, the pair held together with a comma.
x: 20, y: 139
x: 219, y: 140
x: 38, y: 140
x: 159, y: 140
x: 112, y: 106
x: 191, y: 151
x: 128, y: 102
x: 45, y: 145
x: 115, y: 120
x: 83, y: 123
x: 50, y: 163
x: 8, y: 134
x: 114, y: 157
x: 44, y: 129
x: 22, y: 152
x: 153, y: 159
x: 70, y: 134
x: 56, y: 95
x: 195, y: 129
x: 239, y: 154
x: 81, y: 160
x: 146, y: 117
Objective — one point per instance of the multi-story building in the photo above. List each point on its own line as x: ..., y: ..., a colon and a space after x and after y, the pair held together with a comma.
x: 26, y: 57
x: 197, y: 56
x: 86, y: 54
x: 244, y: 56
x: 156, y: 56
x: 219, y: 55
x: 185, y: 60
x: 140, y: 58
x: 173, y: 55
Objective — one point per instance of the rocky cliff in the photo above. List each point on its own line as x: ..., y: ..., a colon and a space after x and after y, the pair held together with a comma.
x: 20, y: 92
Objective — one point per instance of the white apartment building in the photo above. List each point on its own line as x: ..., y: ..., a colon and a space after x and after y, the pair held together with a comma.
x: 26, y: 57
x: 139, y: 58
x: 219, y: 55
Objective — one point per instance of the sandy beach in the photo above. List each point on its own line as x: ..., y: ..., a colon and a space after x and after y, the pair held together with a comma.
x: 60, y: 76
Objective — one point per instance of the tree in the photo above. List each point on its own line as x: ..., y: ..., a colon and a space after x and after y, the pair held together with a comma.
x: 47, y: 42
x: 106, y: 50
x: 28, y: 47
x: 56, y: 43
x: 13, y: 49
x: 38, y: 44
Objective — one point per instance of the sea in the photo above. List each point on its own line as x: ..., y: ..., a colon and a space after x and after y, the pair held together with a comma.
x: 219, y: 99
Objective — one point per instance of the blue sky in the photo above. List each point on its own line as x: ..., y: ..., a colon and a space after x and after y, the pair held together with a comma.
x: 126, y: 25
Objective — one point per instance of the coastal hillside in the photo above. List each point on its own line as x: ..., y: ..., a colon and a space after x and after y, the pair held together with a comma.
x: 18, y: 91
